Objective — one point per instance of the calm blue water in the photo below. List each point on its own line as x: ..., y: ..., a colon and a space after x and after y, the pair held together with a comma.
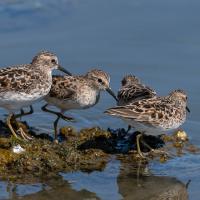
x: 155, y: 40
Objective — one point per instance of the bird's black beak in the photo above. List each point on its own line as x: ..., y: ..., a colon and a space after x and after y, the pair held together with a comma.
x: 64, y: 70
x: 187, y: 109
x: 112, y: 93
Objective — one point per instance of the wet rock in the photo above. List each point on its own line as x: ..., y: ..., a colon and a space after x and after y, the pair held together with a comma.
x: 87, y: 150
x: 5, y: 143
x: 67, y: 132
x: 42, y: 156
x: 96, y: 138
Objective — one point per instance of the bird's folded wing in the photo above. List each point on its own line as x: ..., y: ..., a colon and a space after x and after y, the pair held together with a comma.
x: 16, y: 79
x: 135, y: 93
x: 139, y: 114
x: 60, y: 89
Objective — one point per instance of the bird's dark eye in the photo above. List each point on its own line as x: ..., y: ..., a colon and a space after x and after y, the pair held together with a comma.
x: 100, y: 80
x: 53, y: 61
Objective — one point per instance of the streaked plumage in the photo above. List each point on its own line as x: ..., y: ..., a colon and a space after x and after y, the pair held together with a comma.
x: 133, y: 90
x: 23, y: 85
x: 156, y: 115
x: 77, y: 92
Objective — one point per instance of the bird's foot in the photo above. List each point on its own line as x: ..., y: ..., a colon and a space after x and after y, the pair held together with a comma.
x: 24, y: 135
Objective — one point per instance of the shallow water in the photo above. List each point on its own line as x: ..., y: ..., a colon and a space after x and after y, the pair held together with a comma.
x: 155, y: 40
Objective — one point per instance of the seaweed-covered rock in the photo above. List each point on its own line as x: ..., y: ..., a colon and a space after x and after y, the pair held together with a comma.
x: 42, y: 156
x: 89, y: 149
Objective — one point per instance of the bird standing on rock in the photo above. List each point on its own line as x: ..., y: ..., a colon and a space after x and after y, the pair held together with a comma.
x: 76, y: 92
x: 23, y: 85
x: 154, y: 116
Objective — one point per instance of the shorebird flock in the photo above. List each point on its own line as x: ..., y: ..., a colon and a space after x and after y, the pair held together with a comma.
x: 137, y: 104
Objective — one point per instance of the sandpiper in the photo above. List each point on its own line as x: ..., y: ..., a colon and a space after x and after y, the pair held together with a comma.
x: 76, y: 92
x: 133, y: 90
x: 154, y: 116
x: 23, y: 85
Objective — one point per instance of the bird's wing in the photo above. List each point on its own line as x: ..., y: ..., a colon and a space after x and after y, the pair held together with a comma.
x: 62, y: 87
x: 135, y: 92
x: 16, y: 78
x: 147, y: 111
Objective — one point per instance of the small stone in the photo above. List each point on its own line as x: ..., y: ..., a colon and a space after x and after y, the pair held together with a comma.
x: 30, y: 168
x: 18, y: 149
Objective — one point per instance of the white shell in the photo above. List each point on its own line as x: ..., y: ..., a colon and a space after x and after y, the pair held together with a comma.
x: 18, y: 149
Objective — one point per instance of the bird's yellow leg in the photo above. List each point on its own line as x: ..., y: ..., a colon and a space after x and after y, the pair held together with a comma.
x: 24, y: 135
x: 56, y: 130
x: 8, y: 121
x: 138, y: 145
x: 145, y: 144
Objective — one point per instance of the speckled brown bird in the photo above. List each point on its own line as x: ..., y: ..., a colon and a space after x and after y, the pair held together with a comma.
x: 133, y: 90
x: 23, y: 85
x: 154, y: 116
x: 76, y: 92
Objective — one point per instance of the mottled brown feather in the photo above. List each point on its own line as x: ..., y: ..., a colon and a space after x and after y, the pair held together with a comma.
x: 20, y: 78
x: 63, y: 87
x: 133, y: 90
x: 149, y: 111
